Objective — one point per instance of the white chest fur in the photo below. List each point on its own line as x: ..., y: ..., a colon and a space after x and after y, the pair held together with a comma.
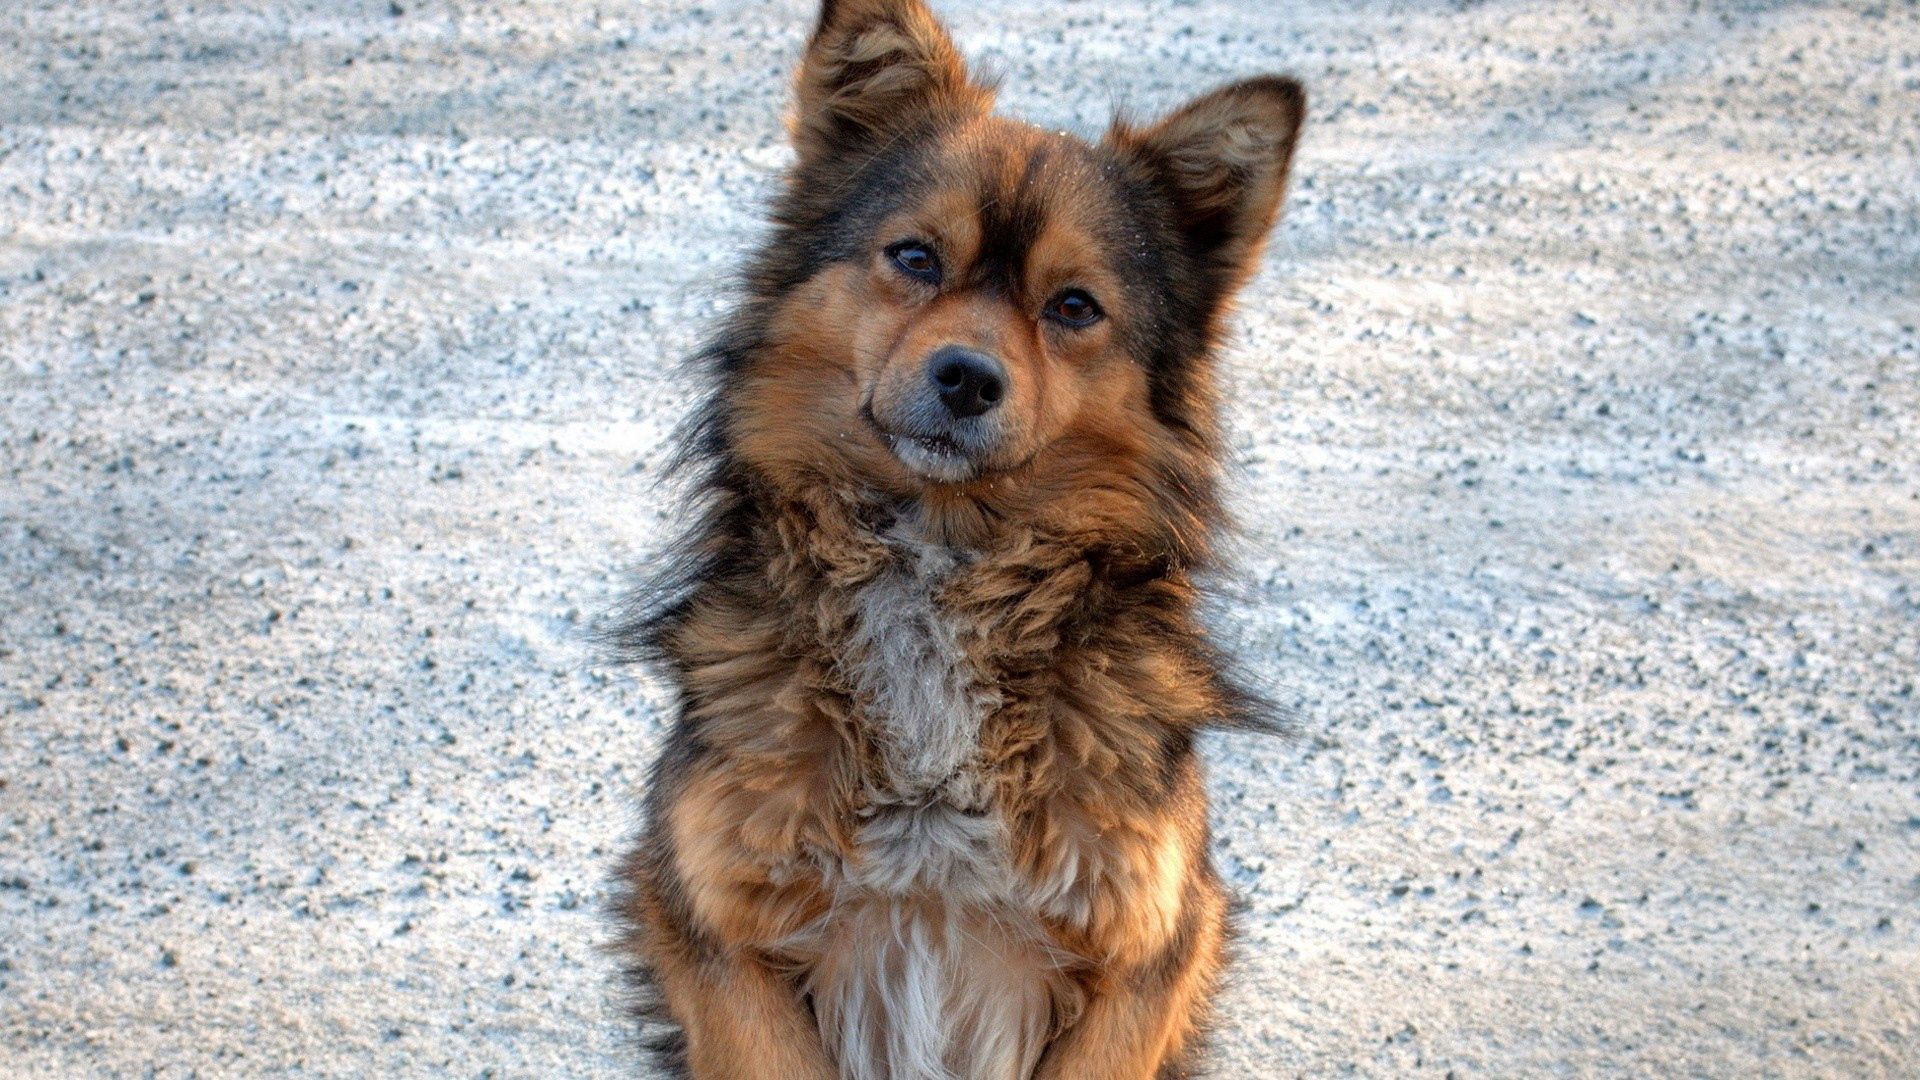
x: 927, y: 969
x: 912, y: 679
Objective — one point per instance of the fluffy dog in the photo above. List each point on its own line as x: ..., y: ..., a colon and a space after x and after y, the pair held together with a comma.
x: 931, y: 807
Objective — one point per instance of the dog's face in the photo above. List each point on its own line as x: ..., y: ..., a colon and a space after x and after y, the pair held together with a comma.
x: 988, y: 300
x: 961, y: 304
x: 987, y: 308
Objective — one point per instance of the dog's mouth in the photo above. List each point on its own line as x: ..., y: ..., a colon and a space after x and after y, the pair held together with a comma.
x: 936, y: 445
x: 937, y: 457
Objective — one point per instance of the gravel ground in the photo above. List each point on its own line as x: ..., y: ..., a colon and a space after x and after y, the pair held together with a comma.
x: 1576, y: 405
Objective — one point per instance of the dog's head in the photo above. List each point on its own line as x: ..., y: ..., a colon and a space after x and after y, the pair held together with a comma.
x: 961, y: 309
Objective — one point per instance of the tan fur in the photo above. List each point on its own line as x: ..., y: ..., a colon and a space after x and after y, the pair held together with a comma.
x: 869, y: 62
x: 1099, y: 882
x: 1230, y: 152
x: 932, y: 808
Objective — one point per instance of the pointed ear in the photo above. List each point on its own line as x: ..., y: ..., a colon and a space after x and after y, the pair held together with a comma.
x: 1222, y: 160
x: 873, y: 70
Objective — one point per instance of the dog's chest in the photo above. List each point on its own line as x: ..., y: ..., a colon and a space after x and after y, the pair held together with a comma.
x: 929, y: 966
x: 928, y: 824
x: 915, y: 686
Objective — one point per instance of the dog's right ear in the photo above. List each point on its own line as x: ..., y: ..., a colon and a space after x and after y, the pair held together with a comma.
x: 876, y: 69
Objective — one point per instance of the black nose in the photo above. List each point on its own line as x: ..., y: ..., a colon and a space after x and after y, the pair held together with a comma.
x: 969, y: 383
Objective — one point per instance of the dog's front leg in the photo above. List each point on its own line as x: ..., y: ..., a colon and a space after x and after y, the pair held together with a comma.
x: 720, y: 884
x: 1156, y: 929
x: 742, y: 1021
x: 1145, y: 1021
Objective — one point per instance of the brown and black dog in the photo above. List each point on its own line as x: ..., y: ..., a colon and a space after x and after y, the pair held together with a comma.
x: 932, y: 807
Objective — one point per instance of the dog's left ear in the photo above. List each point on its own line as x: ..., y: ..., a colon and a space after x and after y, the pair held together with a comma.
x: 873, y: 71
x: 1223, y: 161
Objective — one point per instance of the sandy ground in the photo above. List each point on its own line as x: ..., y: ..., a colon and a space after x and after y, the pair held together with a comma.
x: 1577, y: 409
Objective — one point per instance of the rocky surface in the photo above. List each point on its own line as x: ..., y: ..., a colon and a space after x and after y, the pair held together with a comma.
x: 1576, y: 414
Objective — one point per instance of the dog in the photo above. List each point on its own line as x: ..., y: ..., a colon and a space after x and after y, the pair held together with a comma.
x: 931, y: 806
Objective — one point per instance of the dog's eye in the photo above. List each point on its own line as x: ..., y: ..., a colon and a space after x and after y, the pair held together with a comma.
x: 916, y: 259
x: 1075, y: 308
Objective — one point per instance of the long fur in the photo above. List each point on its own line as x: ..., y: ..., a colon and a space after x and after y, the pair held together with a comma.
x: 931, y: 806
